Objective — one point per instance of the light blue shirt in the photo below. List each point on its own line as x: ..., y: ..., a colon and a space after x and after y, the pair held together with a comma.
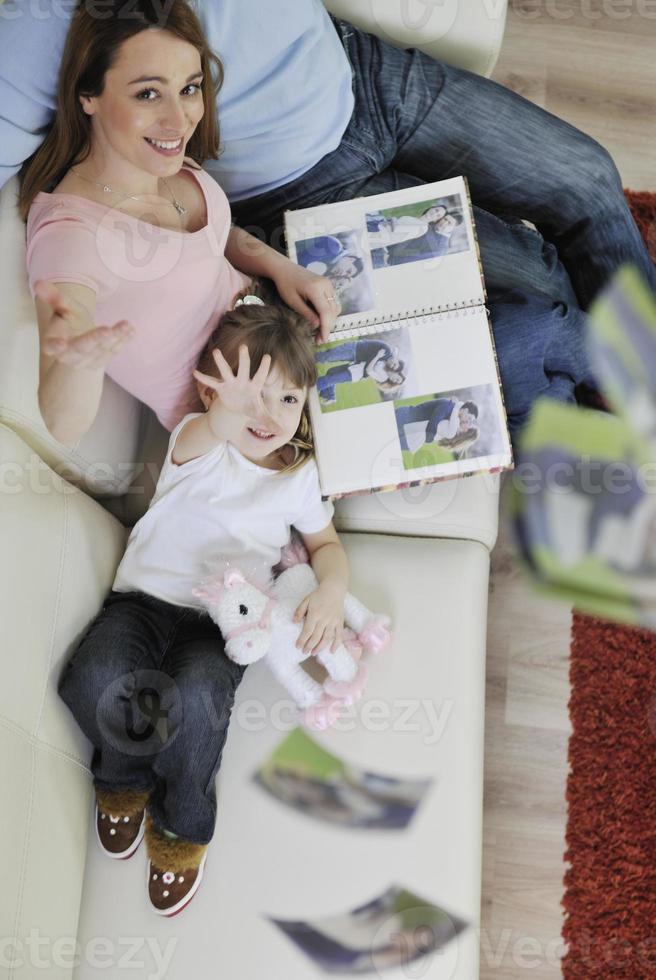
x: 285, y: 102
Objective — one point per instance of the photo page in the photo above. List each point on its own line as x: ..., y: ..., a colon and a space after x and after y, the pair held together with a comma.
x: 408, y: 388
x: 387, y: 259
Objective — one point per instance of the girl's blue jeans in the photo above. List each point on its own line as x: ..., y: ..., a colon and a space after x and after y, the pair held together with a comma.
x: 416, y: 120
x: 152, y: 689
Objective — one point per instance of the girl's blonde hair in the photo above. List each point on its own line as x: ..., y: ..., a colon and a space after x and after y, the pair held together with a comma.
x: 461, y: 441
x: 289, y: 340
x: 91, y: 48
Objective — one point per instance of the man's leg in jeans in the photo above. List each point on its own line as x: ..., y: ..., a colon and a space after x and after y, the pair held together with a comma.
x: 518, y: 159
x: 418, y: 120
x: 541, y: 351
x: 512, y: 254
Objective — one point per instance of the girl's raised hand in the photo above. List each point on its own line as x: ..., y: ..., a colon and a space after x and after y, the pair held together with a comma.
x: 67, y: 337
x: 239, y: 392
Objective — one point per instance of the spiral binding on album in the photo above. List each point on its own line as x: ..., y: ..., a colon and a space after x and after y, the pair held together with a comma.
x: 374, y: 324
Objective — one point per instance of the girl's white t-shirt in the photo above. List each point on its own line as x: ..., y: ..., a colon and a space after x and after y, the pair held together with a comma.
x: 216, y: 508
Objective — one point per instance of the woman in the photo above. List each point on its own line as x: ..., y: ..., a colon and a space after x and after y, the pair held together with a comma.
x: 135, y: 236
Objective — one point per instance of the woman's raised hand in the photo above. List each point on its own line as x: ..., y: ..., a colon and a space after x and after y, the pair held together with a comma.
x: 312, y: 296
x: 239, y: 392
x: 67, y: 337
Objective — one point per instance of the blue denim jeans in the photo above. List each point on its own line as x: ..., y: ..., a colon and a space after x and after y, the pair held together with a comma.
x: 334, y: 376
x: 151, y: 687
x: 416, y: 120
x: 541, y: 351
x: 343, y: 352
x: 353, y: 351
x: 431, y: 412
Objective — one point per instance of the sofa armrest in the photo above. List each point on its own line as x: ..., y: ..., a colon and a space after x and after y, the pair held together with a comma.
x: 466, y: 33
x: 61, y: 550
x: 104, y: 459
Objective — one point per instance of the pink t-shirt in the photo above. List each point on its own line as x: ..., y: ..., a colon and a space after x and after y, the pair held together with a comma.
x: 171, y: 285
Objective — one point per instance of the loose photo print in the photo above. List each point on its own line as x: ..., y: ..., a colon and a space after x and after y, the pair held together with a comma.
x: 340, y: 257
x: 364, y: 370
x: 304, y: 776
x: 391, y: 931
x: 416, y: 232
x: 447, y: 426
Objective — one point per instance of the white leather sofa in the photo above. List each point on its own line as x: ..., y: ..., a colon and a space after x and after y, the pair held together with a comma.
x: 423, y: 555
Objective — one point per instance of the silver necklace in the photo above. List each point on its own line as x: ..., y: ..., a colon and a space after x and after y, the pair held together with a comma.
x: 180, y: 208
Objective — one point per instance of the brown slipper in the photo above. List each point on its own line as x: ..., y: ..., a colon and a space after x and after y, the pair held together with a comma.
x: 120, y: 820
x: 175, y: 870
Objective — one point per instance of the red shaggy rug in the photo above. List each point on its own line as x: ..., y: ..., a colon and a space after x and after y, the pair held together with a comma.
x: 610, y: 885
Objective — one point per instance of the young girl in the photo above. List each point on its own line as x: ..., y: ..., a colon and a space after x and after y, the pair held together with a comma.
x: 150, y: 684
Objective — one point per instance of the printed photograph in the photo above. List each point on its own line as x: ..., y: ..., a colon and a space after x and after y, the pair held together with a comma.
x: 302, y: 775
x: 393, y: 930
x: 440, y: 428
x: 356, y: 371
x: 416, y: 232
x: 341, y: 258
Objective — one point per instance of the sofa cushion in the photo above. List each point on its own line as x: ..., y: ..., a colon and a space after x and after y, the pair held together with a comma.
x: 463, y: 508
x: 46, y: 813
x: 421, y: 717
x: 60, y: 552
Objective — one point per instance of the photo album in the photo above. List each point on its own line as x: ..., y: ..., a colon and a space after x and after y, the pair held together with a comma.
x: 408, y: 388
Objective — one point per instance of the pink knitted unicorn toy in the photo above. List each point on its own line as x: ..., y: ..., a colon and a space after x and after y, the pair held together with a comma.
x: 258, y: 623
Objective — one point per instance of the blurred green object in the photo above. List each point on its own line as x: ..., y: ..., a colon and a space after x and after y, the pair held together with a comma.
x: 584, y: 487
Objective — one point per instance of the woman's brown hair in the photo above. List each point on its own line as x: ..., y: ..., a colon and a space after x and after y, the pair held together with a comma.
x: 91, y: 49
x: 289, y: 340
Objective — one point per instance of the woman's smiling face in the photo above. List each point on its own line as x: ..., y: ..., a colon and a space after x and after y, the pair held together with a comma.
x: 151, y: 95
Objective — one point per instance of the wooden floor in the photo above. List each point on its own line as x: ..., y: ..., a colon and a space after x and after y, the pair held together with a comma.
x: 597, y: 70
